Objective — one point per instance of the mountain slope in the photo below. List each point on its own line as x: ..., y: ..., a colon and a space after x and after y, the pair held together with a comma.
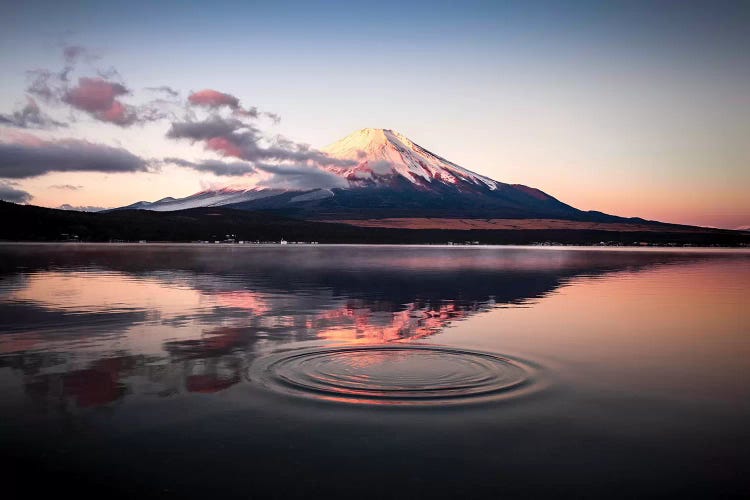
x: 392, y: 177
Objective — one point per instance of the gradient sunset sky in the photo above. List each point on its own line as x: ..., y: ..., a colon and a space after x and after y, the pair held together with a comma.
x: 631, y: 108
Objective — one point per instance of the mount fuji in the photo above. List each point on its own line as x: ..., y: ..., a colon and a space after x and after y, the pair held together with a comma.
x: 391, y: 178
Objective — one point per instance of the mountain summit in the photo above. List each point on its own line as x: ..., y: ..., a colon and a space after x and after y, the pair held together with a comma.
x: 390, y: 176
x: 382, y: 153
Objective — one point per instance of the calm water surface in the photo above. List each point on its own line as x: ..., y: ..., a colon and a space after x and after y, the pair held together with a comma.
x: 255, y: 372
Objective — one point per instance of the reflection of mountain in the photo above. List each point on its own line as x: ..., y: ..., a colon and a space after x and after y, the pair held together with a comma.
x: 92, y: 325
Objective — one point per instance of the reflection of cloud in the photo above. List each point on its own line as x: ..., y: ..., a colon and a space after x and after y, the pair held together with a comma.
x: 107, y: 322
x: 210, y: 345
x: 96, y: 385
x: 210, y: 383
x: 28, y: 325
x: 103, y: 292
x: 212, y: 375
x: 244, y: 299
x: 359, y: 323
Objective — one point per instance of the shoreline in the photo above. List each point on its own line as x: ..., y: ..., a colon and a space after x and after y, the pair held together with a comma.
x: 643, y: 248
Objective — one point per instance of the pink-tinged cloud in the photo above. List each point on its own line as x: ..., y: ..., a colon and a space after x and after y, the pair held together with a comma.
x: 99, y: 98
x: 118, y: 113
x: 94, y: 94
x: 224, y: 146
x: 213, y: 99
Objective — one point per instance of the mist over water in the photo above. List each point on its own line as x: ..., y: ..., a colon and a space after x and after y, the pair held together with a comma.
x: 188, y: 370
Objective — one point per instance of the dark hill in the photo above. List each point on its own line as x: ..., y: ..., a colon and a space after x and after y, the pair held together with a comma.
x: 32, y: 223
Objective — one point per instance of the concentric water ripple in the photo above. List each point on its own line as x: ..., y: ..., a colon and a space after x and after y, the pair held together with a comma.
x: 404, y: 374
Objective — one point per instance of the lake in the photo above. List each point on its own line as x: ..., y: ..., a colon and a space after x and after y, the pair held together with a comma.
x: 374, y: 371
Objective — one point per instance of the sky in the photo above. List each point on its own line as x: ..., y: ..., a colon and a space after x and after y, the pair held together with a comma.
x: 631, y: 108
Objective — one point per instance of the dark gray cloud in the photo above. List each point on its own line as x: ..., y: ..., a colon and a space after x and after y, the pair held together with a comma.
x: 30, y: 116
x: 251, y: 112
x: 299, y: 177
x: 10, y: 193
x: 215, y: 167
x: 273, y: 117
x: 73, y: 54
x: 67, y: 187
x: 47, y: 85
x: 165, y: 89
x: 235, y: 138
x: 34, y: 157
x: 110, y: 73
x: 212, y: 127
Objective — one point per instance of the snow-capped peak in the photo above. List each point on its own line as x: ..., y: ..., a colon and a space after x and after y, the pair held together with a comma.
x: 383, y: 152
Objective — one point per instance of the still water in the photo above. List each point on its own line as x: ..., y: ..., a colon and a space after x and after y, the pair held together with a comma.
x: 238, y: 371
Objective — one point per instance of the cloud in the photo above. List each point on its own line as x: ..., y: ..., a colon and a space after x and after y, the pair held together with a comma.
x: 45, y: 84
x: 12, y: 194
x: 72, y: 53
x: 29, y: 156
x: 82, y: 208
x: 67, y: 187
x: 213, y: 99
x: 226, y: 128
x: 299, y: 177
x: 235, y: 138
x: 215, y: 167
x: 30, y: 116
x: 165, y: 89
x: 207, y: 129
x: 273, y: 117
x: 98, y: 97
x: 381, y: 167
x: 101, y: 97
x: 251, y: 112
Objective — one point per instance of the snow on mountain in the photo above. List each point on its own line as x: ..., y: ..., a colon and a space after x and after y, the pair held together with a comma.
x: 208, y: 198
x: 382, y: 153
